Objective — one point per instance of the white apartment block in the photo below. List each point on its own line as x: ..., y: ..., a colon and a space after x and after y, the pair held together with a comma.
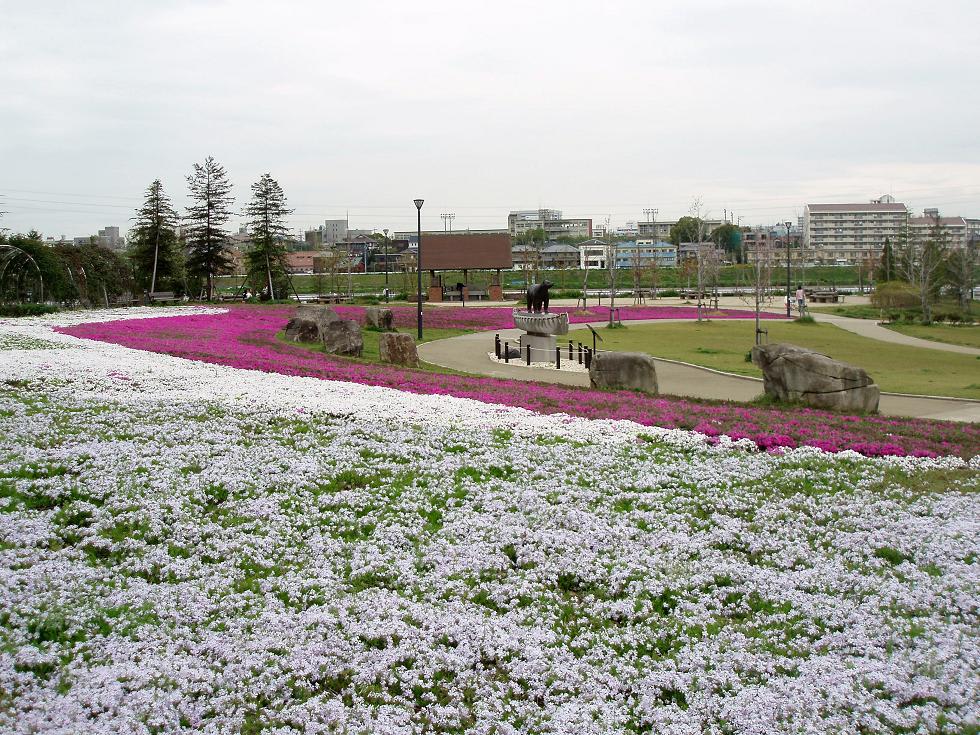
x: 645, y: 252
x: 334, y: 231
x: 549, y: 220
x: 850, y: 233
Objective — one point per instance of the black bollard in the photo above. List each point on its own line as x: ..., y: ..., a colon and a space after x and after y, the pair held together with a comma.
x: 588, y: 358
x: 496, y: 345
x: 558, y: 358
x: 506, y: 352
x: 569, y: 350
x: 529, y: 355
x: 579, y: 353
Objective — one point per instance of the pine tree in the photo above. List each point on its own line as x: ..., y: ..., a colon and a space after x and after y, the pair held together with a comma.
x: 153, y: 241
x: 207, y: 239
x: 267, y: 229
x: 886, y: 264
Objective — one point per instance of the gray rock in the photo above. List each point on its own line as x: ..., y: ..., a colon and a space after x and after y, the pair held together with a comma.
x: 307, y: 324
x: 380, y: 318
x: 302, y: 330
x: 798, y: 375
x: 398, y: 349
x: 629, y: 370
x: 342, y: 337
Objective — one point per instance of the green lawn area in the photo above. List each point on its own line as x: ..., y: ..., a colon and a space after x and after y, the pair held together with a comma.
x: 372, y: 341
x: 954, y: 334
x: 723, y: 345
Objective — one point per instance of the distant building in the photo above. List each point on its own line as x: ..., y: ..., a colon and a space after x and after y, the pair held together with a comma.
x: 643, y: 253
x: 559, y: 255
x: 549, y: 220
x: 851, y: 232
x: 660, y: 229
x: 334, y: 231
x: 956, y: 229
x: 593, y: 254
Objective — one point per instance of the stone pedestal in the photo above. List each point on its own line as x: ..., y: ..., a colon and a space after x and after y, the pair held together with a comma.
x: 542, y: 347
x: 435, y: 294
x: 541, y: 330
x: 495, y: 293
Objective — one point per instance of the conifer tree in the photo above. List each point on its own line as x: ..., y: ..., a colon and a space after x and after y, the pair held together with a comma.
x: 207, y: 239
x: 153, y: 240
x: 267, y: 229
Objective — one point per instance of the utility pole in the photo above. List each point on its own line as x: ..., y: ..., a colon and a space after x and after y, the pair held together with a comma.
x: 789, y: 286
x: 447, y: 221
x: 611, y: 264
x: 386, y: 263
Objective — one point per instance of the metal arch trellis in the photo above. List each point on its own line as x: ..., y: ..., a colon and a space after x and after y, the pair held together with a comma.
x: 9, y: 254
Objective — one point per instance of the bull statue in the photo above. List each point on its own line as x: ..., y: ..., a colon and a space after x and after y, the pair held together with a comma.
x: 537, y: 297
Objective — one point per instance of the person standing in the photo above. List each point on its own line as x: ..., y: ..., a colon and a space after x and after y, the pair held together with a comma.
x: 800, y: 298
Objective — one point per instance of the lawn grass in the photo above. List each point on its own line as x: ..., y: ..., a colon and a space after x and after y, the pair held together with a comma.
x: 954, y: 334
x: 723, y: 345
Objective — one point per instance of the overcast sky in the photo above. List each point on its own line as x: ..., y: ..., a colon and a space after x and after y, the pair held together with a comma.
x: 595, y: 108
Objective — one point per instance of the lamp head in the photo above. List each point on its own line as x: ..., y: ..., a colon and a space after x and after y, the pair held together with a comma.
x: 418, y: 203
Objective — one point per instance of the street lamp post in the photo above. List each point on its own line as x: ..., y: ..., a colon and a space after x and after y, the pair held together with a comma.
x: 418, y: 257
x: 789, y: 287
x: 386, y: 264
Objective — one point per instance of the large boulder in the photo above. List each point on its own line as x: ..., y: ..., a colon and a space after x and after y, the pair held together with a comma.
x: 398, y: 349
x: 798, y: 375
x: 629, y: 370
x: 342, y: 337
x: 378, y: 317
x: 307, y: 323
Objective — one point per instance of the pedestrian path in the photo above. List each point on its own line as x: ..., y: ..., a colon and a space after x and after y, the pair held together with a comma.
x: 469, y: 353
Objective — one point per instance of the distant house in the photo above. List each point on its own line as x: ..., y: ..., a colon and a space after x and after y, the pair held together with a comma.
x: 643, y: 253
x: 300, y: 261
x: 559, y: 255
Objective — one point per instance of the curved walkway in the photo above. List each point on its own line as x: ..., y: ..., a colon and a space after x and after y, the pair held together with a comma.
x: 873, y: 330
x: 469, y: 353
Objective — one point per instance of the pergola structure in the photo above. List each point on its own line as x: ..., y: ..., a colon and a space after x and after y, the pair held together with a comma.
x: 17, y: 269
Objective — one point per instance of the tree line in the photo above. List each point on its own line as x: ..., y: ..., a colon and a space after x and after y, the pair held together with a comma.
x: 919, y: 268
x: 187, y: 255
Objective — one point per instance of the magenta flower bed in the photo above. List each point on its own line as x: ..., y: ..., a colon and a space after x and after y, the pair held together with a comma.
x: 488, y: 318
x: 245, y: 337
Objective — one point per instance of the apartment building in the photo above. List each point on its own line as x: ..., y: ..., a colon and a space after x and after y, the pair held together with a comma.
x: 851, y: 233
x: 645, y: 252
x: 660, y: 229
x: 956, y: 229
x: 552, y: 221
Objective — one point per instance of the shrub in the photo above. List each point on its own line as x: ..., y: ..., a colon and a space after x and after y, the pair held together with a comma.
x: 668, y: 293
x: 894, y: 294
x: 807, y: 319
x: 16, y: 310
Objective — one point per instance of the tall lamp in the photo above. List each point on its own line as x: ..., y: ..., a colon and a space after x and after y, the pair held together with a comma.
x: 789, y: 287
x: 418, y: 257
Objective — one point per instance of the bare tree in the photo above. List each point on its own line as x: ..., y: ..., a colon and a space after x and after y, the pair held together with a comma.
x: 700, y: 250
x: 923, y: 262
x: 760, y: 281
x: 961, y: 271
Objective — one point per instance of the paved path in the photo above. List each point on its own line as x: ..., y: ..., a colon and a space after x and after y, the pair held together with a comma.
x: 873, y: 330
x: 469, y: 353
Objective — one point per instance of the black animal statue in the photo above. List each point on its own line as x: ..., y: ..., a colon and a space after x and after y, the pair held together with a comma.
x: 537, y: 297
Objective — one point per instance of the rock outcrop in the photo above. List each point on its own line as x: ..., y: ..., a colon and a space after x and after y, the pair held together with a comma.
x: 398, y: 349
x: 342, y: 337
x: 798, y: 375
x: 305, y: 326
x: 628, y: 370
x: 378, y: 317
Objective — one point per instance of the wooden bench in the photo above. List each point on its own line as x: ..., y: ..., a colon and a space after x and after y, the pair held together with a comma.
x: 231, y: 297
x: 332, y: 298
x: 126, y: 299
x: 162, y: 297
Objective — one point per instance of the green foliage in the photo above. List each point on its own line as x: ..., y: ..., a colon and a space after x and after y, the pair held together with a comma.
x: 267, y: 228
x: 15, y: 310
x: 894, y: 295
x: 210, y: 210
x: 687, y: 229
x: 153, y: 244
x: 729, y: 238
